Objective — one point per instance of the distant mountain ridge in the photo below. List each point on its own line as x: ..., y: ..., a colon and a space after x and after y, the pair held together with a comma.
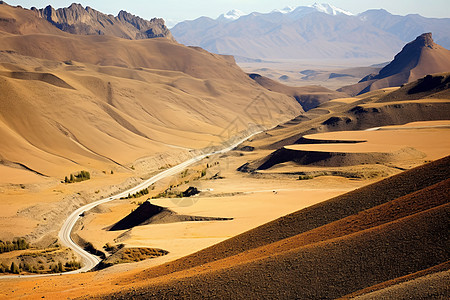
x: 318, y: 31
x: 77, y: 19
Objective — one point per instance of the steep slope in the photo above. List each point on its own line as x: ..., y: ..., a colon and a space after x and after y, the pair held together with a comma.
x: 390, y: 106
x: 20, y: 21
x: 76, y: 19
x: 318, y: 31
x: 378, y: 233
x: 309, y: 97
x: 417, y: 59
x: 100, y: 101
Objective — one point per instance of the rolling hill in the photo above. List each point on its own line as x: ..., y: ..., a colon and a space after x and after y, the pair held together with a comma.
x: 309, y: 97
x: 366, y: 240
x: 71, y: 100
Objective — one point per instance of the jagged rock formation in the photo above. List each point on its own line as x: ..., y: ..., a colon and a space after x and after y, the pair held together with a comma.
x: 76, y: 19
x: 417, y: 59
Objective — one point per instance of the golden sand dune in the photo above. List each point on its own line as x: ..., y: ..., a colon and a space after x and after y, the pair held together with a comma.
x: 120, y: 109
x: 70, y: 101
x: 69, y: 114
x: 391, y: 146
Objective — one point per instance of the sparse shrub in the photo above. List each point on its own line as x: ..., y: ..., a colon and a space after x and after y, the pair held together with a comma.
x: 72, y: 265
x: 81, y: 176
x: 16, y: 244
x: 60, y: 267
x: 137, y: 194
x: 14, y: 268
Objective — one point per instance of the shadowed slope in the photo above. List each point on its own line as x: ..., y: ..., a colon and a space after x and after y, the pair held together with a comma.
x: 148, y: 213
x: 334, y: 256
x: 76, y: 19
x: 417, y: 59
x: 104, y: 102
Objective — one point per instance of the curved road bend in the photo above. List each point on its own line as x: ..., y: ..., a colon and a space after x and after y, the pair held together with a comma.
x: 89, y: 260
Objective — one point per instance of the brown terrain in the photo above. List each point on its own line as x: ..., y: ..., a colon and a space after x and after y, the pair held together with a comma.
x: 84, y: 21
x: 402, y: 218
x: 417, y: 59
x: 339, y: 196
x: 120, y: 109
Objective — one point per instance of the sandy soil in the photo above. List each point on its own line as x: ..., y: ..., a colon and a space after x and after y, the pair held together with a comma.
x: 249, y: 201
x: 434, y: 142
x: 390, y: 225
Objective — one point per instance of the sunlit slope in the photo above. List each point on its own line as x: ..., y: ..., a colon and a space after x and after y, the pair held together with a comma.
x: 62, y: 115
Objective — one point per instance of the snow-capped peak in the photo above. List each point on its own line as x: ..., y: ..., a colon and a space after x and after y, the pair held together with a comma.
x: 232, y: 15
x: 330, y: 9
x: 285, y: 10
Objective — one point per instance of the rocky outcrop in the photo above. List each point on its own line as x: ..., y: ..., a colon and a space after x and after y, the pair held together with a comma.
x: 77, y: 19
x: 147, y: 29
x: 408, y: 58
x: 417, y: 59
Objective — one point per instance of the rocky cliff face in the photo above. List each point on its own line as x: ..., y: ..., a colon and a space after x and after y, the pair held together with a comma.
x: 147, y: 29
x: 76, y: 19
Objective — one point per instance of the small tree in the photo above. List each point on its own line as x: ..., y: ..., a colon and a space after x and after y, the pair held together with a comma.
x: 14, y: 268
x: 60, y: 267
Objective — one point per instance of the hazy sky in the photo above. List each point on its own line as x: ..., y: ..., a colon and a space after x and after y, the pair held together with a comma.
x: 177, y: 10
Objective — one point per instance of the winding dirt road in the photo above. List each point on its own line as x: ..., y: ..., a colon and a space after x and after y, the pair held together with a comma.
x: 89, y: 260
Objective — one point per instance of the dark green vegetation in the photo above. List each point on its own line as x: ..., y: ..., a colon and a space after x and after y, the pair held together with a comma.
x: 81, y: 176
x: 91, y: 249
x: 169, y: 193
x: 52, y: 260
x: 141, y: 193
x: 16, y: 244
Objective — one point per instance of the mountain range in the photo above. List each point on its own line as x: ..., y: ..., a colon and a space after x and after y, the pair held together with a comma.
x: 317, y: 31
x: 77, y: 19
